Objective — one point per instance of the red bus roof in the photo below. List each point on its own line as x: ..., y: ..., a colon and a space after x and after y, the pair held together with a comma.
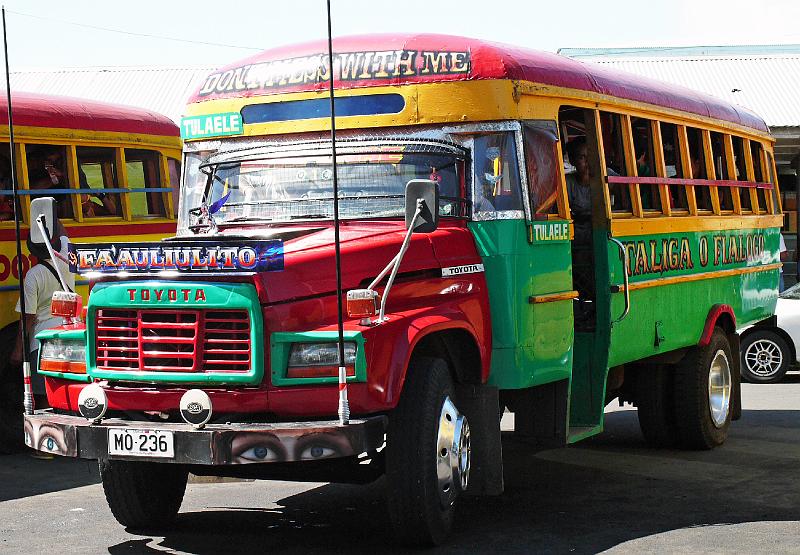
x: 375, y: 60
x: 41, y: 110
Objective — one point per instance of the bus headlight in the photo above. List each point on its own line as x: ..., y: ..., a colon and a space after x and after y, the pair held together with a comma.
x: 320, y: 360
x: 59, y: 355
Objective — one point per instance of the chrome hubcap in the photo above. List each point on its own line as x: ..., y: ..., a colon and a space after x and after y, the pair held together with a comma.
x: 763, y: 358
x: 719, y: 388
x: 452, y: 453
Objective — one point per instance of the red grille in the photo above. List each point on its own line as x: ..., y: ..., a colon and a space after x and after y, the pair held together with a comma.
x: 173, y: 340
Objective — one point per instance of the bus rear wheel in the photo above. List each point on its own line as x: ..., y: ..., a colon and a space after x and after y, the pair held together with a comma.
x: 428, y: 455
x: 143, y: 495
x: 704, y: 394
x: 655, y: 404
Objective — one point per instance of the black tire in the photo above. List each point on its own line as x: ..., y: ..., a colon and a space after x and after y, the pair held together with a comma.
x: 143, y: 495
x: 415, y: 510
x: 766, y: 343
x: 695, y: 427
x: 655, y: 404
x: 11, y: 428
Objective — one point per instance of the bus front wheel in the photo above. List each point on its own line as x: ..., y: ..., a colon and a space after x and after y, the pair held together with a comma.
x: 704, y: 393
x: 427, y: 455
x: 143, y: 495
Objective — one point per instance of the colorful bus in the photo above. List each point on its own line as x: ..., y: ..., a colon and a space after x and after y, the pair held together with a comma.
x: 110, y: 167
x: 599, y: 237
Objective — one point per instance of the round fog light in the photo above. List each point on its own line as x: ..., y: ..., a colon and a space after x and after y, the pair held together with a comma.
x: 196, y: 408
x: 92, y: 402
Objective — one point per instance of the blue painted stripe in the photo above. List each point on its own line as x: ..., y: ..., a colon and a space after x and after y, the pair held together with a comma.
x: 365, y: 105
x: 44, y: 192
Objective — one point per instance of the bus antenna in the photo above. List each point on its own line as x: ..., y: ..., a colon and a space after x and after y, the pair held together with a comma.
x: 344, y: 405
x: 26, y: 362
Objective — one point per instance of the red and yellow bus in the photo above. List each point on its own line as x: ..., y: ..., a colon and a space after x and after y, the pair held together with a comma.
x: 111, y: 168
x: 600, y: 236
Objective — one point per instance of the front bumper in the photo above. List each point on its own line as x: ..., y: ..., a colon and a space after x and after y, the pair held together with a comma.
x: 215, y: 445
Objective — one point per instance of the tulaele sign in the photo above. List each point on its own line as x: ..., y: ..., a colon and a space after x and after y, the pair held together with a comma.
x: 184, y: 257
x: 212, y: 125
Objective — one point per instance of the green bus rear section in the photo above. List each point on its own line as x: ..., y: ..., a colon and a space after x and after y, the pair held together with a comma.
x: 536, y: 343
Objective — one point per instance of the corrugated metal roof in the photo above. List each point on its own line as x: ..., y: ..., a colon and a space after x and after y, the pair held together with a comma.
x: 729, y: 50
x: 160, y: 89
x: 768, y: 84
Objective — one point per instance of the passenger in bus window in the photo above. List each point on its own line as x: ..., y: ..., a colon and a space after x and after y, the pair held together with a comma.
x: 6, y: 201
x: 578, y: 188
x: 46, y: 171
x: 105, y: 207
x: 95, y: 204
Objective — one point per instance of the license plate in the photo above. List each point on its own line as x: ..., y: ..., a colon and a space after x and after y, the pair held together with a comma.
x: 141, y: 443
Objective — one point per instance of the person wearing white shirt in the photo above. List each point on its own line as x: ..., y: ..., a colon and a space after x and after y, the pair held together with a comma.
x: 39, y: 285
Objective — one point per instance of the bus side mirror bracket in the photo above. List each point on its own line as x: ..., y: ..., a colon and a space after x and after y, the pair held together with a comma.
x: 422, y: 194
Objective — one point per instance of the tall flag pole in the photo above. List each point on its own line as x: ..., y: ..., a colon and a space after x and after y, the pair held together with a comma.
x: 344, y: 405
x: 26, y: 362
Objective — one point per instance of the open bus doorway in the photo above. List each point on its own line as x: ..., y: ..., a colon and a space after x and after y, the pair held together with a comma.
x: 585, y: 168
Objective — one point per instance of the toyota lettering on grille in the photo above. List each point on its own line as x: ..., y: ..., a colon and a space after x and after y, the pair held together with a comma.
x: 172, y: 295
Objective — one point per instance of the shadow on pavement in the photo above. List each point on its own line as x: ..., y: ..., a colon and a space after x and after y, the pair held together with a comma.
x: 21, y: 475
x: 582, y: 499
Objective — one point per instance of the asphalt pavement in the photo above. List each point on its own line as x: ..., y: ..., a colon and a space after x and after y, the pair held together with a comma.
x: 607, y: 494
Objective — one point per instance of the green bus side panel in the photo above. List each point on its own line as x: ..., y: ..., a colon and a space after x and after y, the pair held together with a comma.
x: 531, y: 343
x: 669, y: 317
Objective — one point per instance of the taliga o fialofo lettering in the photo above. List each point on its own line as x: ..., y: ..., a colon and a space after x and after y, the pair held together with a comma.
x: 732, y: 249
x: 657, y: 256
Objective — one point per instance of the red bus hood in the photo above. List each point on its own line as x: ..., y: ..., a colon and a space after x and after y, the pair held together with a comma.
x: 366, y: 248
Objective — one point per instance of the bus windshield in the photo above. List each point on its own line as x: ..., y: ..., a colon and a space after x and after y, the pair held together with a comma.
x: 298, y: 184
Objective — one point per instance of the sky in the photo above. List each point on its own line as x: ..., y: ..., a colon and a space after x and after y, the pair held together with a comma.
x: 42, y: 33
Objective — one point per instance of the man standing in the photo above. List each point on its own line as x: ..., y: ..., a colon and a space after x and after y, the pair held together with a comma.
x: 40, y: 283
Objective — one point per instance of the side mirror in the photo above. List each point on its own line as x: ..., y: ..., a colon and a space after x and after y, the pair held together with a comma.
x: 426, y: 191
x: 45, y: 207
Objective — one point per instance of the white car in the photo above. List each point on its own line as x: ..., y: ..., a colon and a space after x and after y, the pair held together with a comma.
x: 769, y: 349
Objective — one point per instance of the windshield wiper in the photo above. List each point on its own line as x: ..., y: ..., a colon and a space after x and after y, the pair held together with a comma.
x: 204, y: 214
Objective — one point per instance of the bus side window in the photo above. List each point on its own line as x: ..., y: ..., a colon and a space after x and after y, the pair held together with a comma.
x: 698, y: 167
x: 47, y: 169
x: 496, y: 184
x: 645, y: 162
x: 741, y: 173
x: 97, y: 170
x: 772, y: 179
x: 672, y: 163
x: 142, y: 168
x: 758, y: 175
x: 619, y: 193
x: 541, y: 164
x: 721, y: 169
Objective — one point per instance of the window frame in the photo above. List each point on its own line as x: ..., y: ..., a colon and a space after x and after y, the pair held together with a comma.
x: 121, y: 189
